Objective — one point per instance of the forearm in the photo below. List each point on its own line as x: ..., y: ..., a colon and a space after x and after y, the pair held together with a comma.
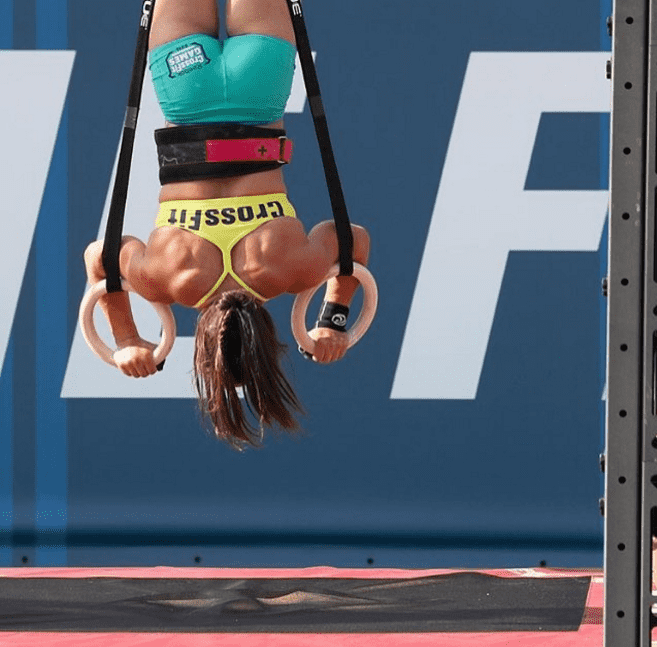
x: 118, y: 312
x: 341, y: 289
x: 115, y: 306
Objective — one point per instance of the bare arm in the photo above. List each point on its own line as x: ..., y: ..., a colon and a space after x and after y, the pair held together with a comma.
x: 136, y: 356
x: 331, y: 345
x: 341, y: 289
x: 314, y: 259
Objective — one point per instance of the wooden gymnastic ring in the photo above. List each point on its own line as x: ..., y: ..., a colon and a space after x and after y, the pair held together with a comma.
x: 365, y: 318
x: 99, y: 347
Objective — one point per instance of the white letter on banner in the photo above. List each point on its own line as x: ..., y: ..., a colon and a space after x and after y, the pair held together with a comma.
x: 482, y: 212
x: 86, y: 375
x: 297, y: 101
x: 34, y: 86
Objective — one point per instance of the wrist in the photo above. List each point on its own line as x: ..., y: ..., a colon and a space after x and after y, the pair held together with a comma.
x: 130, y: 340
x: 333, y: 315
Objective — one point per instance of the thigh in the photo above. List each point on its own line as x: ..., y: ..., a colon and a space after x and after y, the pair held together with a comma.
x: 268, y: 17
x: 173, y: 19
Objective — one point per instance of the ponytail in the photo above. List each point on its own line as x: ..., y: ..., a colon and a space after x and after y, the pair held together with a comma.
x: 237, y: 346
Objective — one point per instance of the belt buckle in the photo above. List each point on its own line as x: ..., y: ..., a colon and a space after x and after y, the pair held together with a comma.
x: 282, y: 140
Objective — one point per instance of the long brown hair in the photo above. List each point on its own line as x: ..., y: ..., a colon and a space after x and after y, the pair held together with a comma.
x: 236, y: 345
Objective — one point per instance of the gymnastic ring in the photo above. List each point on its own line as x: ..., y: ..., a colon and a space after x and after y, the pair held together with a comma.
x: 99, y: 347
x: 365, y: 318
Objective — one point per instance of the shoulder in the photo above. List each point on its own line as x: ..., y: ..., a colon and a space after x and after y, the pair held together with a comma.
x: 310, y: 258
x: 321, y: 250
x: 161, y: 269
x: 276, y: 258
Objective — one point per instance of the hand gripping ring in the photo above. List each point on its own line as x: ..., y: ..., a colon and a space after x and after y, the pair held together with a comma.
x: 370, y: 301
x: 96, y: 343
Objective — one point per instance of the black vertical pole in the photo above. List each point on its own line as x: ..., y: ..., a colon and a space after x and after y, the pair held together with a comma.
x: 649, y: 436
x: 629, y: 341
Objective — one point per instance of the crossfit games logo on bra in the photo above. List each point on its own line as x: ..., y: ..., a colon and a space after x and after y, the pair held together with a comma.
x: 186, y: 59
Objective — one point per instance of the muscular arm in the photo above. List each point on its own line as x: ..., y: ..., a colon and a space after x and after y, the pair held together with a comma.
x: 313, y: 260
x: 320, y: 255
x: 137, y: 360
x: 340, y: 289
x: 115, y: 306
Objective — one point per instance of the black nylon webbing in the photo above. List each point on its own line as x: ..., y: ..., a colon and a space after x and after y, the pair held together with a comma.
x: 338, y: 204
x: 114, y: 228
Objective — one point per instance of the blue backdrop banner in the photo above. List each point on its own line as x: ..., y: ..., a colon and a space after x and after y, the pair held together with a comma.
x: 464, y: 429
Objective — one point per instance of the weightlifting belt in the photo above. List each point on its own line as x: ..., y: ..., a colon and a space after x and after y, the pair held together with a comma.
x: 219, y: 150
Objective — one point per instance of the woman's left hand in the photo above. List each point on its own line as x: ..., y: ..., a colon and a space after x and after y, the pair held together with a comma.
x: 330, y: 345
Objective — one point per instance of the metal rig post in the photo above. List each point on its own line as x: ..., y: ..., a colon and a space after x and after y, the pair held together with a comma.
x: 630, y: 504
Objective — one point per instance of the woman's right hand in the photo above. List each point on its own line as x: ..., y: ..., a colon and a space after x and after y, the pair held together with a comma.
x: 135, y: 357
x: 330, y: 345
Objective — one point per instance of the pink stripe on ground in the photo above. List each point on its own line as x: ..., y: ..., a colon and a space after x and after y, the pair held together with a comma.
x: 164, y: 572
x: 587, y: 637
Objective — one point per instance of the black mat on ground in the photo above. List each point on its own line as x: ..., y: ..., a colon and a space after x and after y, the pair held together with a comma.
x: 457, y: 602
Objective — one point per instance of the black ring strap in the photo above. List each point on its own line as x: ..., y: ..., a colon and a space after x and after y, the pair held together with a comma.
x: 114, y: 228
x: 338, y: 204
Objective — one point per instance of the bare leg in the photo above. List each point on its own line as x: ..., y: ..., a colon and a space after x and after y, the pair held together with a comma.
x: 268, y: 17
x: 174, y: 19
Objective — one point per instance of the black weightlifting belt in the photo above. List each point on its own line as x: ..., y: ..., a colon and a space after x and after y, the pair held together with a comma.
x: 207, y: 151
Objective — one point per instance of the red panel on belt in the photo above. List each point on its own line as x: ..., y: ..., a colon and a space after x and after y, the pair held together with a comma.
x: 277, y: 149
